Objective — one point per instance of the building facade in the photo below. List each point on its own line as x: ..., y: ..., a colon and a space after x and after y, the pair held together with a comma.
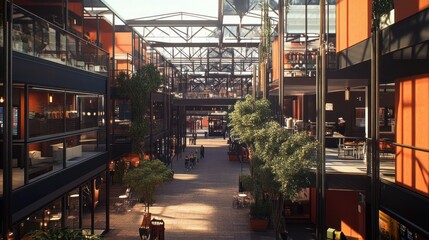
x: 377, y: 87
x: 54, y: 93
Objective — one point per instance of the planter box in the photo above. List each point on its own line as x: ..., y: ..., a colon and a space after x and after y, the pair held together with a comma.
x: 259, y: 225
x: 232, y: 157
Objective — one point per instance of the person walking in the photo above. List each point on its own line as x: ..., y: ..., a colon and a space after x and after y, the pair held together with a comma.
x: 197, y: 156
x: 202, y: 151
x: 187, y: 162
x: 192, y: 157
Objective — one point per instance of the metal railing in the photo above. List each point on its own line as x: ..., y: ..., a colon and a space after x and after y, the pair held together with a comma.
x: 37, y: 37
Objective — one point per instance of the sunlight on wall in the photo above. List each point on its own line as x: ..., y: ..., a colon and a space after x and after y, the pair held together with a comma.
x: 348, y: 231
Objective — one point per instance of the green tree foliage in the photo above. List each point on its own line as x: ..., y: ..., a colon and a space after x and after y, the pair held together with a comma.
x: 60, y: 233
x: 137, y: 88
x: 146, y: 178
x: 249, y: 116
x: 281, y: 160
x: 290, y: 156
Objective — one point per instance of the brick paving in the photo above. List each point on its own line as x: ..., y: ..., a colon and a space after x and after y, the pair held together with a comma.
x: 197, y: 204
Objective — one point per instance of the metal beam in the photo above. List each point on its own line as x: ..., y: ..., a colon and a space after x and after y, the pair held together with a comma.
x: 172, y: 23
x: 213, y: 44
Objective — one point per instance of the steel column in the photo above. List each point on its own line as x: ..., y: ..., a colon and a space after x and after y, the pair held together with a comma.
x: 281, y: 61
x: 375, y: 173
x: 321, y: 98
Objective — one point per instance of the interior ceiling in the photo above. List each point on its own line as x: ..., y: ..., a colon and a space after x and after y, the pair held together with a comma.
x: 200, y: 44
x: 206, y: 48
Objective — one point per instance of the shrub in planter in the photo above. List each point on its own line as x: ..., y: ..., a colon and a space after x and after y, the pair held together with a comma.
x: 260, y: 212
x: 246, y: 183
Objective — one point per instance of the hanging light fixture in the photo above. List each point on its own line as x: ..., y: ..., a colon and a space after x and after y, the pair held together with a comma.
x: 347, y: 94
x: 1, y: 100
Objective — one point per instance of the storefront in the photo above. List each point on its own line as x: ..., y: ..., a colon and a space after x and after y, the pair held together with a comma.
x: 392, y: 229
x: 83, y: 207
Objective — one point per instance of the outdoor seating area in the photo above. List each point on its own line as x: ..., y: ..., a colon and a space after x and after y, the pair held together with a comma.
x: 241, y: 200
x: 124, y: 202
x: 352, y: 149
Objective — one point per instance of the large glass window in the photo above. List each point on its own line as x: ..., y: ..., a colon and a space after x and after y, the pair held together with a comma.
x: 88, y: 201
x: 17, y: 163
x: 72, y: 209
x: 48, y: 109
x: 67, y: 211
x: 17, y: 128
x: 72, y: 112
x: 100, y: 203
x: 48, y: 217
x: 89, y: 109
x: 46, y: 112
x: 33, y: 36
x: 94, y: 197
x: 44, y: 158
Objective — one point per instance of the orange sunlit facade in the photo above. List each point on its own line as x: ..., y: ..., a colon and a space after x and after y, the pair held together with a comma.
x: 275, y: 59
x: 404, y: 9
x: 353, y: 23
x: 103, y: 33
x: 412, y: 166
x: 404, y: 183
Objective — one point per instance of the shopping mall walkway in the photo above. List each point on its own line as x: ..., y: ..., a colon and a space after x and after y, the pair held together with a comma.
x: 197, y: 204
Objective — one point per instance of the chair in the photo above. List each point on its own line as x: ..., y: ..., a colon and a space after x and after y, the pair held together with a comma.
x: 119, y: 207
x: 361, y: 150
x: 346, y: 150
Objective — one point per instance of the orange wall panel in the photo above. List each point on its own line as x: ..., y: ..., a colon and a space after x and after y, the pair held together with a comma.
x: 123, y: 42
x: 105, y: 32
x: 412, y: 104
x: 404, y: 9
x: 353, y: 23
x: 275, y: 59
x: 342, y: 213
x: 205, y: 121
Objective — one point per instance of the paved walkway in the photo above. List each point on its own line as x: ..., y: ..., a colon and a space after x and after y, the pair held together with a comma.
x: 197, y: 204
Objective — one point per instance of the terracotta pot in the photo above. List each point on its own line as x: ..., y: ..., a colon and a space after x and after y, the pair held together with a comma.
x: 232, y: 157
x: 259, y: 225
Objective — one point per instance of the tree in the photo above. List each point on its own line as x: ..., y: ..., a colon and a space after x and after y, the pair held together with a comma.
x: 247, y: 117
x: 146, y: 178
x: 290, y: 158
x: 137, y: 88
x: 281, y: 160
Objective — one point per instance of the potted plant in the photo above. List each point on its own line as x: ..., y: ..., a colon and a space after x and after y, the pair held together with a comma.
x: 281, y: 160
x: 146, y: 178
x: 60, y: 233
x: 233, y: 151
x: 245, y: 183
x: 262, y: 185
x: 260, y: 212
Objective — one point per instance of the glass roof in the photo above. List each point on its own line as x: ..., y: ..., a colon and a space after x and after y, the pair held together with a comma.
x: 188, y: 33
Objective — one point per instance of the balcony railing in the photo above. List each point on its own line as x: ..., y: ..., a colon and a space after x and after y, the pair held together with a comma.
x: 403, y: 164
x: 37, y: 37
